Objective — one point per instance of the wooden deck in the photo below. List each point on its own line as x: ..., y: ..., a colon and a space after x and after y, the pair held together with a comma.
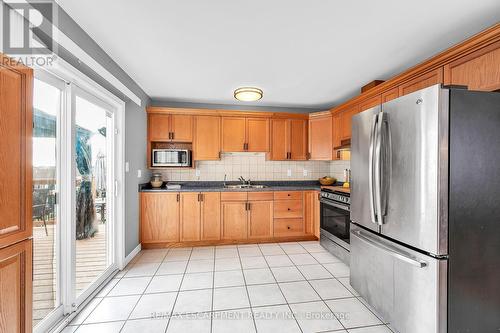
x: 90, y: 262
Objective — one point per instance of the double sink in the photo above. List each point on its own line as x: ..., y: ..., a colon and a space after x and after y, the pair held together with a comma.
x: 242, y: 186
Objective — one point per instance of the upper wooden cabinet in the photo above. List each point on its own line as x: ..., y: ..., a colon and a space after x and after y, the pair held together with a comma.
x: 159, y: 217
x: 16, y: 287
x: 370, y: 103
x: 320, y: 138
x: 288, y: 139
x: 479, y: 70
x: 16, y: 123
x: 245, y: 134
x: 423, y: 81
x: 170, y: 127
x: 207, y: 138
x: 346, y: 122
x: 390, y: 94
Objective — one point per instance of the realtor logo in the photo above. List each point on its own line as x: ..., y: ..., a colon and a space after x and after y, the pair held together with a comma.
x: 27, y: 27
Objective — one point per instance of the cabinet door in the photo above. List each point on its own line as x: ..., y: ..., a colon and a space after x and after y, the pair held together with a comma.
x: 257, y: 130
x: 279, y: 142
x: 159, y: 127
x: 298, y: 139
x: 479, y: 70
x: 369, y: 103
x: 389, y: 95
x: 233, y: 134
x: 234, y: 220
x: 260, y: 219
x: 190, y: 217
x: 159, y: 217
x: 309, y: 214
x: 207, y: 138
x: 336, y: 136
x: 421, y: 82
x: 320, y: 138
x: 210, y: 216
x: 16, y: 288
x: 346, y: 122
x: 181, y: 128
x: 16, y: 123
x: 317, y: 206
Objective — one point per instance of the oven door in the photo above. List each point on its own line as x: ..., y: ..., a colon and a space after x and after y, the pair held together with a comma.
x: 335, y: 222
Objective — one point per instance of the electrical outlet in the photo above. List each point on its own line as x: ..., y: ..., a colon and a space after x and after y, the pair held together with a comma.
x: 198, y: 172
x: 289, y: 173
x: 304, y: 172
x: 139, y: 173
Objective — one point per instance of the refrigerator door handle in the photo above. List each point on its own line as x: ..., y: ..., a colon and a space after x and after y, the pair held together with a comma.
x: 391, y: 251
x: 378, y: 169
x: 373, y: 214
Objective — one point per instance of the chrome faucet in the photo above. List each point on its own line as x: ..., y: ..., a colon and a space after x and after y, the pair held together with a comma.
x: 244, y: 181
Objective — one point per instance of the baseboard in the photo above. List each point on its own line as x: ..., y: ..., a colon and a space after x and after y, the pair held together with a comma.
x: 132, y: 255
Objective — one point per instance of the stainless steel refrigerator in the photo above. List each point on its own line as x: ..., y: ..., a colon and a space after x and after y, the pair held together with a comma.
x: 425, y: 210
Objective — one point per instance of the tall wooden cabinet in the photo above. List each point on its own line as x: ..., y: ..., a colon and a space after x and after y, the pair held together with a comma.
x: 288, y: 139
x: 16, y: 123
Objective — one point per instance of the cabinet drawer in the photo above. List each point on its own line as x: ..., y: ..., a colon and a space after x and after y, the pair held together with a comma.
x: 285, y: 195
x: 288, y: 227
x: 260, y: 196
x: 233, y: 196
x: 288, y: 209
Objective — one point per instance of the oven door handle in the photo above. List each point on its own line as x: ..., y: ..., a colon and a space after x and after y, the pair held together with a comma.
x: 334, y: 204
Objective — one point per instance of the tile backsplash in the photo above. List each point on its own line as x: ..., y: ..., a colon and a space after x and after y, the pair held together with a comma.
x: 253, y: 166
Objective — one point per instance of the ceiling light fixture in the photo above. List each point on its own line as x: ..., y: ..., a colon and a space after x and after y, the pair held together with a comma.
x: 248, y: 94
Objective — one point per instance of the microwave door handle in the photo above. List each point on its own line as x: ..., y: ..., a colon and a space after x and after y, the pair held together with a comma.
x: 378, y: 170
x: 182, y: 157
x: 389, y: 250
x: 373, y: 214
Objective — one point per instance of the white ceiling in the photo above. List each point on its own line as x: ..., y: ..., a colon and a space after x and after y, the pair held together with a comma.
x: 302, y: 53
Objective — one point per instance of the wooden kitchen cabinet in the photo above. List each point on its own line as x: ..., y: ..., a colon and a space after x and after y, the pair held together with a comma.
x: 233, y: 134
x: 370, y: 103
x: 423, y: 81
x: 320, y: 138
x: 210, y: 216
x: 260, y: 219
x: 311, y: 212
x: 346, y: 122
x: 190, y: 217
x: 479, y: 70
x: 289, y: 139
x: 159, y: 217
x: 207, y: 138
x: 245, y: 134
x: 390, y: 94
x: 16, y: 287
x: 170, y: 127
x: 257, y: 131
x: 336, y: 142
x: 234, y: 220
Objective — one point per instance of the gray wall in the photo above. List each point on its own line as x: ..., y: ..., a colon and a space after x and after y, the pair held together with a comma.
x: 135, y: 116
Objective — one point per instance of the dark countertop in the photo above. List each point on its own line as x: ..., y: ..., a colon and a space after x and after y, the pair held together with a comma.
x: 216, y: 186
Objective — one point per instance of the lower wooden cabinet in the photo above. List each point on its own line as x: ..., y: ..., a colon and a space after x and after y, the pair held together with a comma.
x: 159, y: 217
x: 260, y: 219
x: 16, y: 288
x: 210, y: 216
x: 190, y: 218
x: 311, y: 212
x: 234, y: 218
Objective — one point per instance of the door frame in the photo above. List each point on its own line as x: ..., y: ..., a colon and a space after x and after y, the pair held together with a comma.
x: 75, y: 80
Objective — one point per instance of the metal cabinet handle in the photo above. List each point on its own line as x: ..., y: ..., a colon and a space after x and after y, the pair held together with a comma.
x: 201, y: 197
x: 370, y: 169
x: 391, y: 251
x: 173, y: 135
x: 178, y: 197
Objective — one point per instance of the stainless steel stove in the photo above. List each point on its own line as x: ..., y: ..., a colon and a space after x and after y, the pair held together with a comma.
x: 335, y: 223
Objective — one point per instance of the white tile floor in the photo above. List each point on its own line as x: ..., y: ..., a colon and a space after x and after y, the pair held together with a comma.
x: 285, y: 287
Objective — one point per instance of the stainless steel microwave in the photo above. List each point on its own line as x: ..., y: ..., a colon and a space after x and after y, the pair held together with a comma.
x: 171, y: 158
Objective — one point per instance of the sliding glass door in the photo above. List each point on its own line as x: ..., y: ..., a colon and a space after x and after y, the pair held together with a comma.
x: 74, y: 225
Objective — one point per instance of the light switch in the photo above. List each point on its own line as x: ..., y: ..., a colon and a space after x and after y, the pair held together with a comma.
x: 198, y: 172
x: 139, y: 173
x: 304, y: 172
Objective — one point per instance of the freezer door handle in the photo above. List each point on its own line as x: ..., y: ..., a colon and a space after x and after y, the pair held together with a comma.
x: 370, y: 169
x: 391, y: 251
